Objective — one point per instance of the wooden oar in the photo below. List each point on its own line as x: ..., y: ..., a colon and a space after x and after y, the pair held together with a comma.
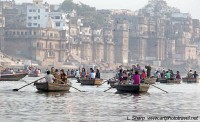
x: 108, y: 89
x: 70, y: 86
x: 158, y: 88
x: 27, y: 84
x: 105, y: 81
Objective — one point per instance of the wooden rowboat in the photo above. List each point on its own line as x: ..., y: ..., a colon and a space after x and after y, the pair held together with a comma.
x: 131, y: 88
x: 150, y: 80
x: 51, y: 87
x: 191, y: 80
x: 90, y: 81
x: 12, y: 77
x: 175, y: 81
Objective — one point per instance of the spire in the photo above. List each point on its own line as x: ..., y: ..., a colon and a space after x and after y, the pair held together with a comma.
x: 50, y: 23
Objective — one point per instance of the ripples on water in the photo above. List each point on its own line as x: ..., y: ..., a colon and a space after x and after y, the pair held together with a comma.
x: 95, y: 105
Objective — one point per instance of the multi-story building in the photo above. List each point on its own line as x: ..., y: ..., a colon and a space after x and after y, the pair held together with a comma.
x: 47, y: 46
x: 98, y: 45
x: 121, y: 39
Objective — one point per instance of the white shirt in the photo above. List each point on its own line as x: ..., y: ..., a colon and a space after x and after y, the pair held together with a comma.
x: 92, y: 75
x: 49, y: 78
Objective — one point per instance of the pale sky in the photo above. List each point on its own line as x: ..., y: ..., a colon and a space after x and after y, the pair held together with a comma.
x: 186, y: 6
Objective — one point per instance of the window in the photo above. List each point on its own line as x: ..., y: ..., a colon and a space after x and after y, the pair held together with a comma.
x: 22, y: 33
x: 35, y: 24
x: 25, y: 33
x: 35, y: 18
x: 46, y: 10
x: 34, y: 10
x: 13, y: 33
x: 38, y: 10
x: 57, y: 17
x: 17, y: 33
x: 38, y: 16
x: 57, y: 24
x: 34, y: 33
x: 43, y: 34
x: 30, y: 10
x: 38, y: 25
x: 29, y: 18
x: 51, y: 34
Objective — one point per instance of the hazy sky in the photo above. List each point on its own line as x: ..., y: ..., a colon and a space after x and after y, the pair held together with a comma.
x: 186, y: 6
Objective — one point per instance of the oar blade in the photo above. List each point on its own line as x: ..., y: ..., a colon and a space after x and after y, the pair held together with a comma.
x: 15, y: 89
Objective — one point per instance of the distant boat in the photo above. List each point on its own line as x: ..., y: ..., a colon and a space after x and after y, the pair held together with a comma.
x: 12, y: 77
x: 175, y: 81
x: 51, y: 87
x: 90, y: 81
x: 191, y: 80
x: 132, y: 88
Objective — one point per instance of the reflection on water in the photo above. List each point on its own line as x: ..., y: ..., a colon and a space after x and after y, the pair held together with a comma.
x: 95, y: 105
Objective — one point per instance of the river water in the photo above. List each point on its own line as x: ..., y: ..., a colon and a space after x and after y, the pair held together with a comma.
x: 27, y: 105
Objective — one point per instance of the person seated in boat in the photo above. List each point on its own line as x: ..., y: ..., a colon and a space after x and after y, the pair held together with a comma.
x: 195, y: 75
x: 92, y: 74
x: 190, y: 74
x: 57, y: 77
x: 52, y: 70
x: 167, y: 75
x: 178, y: 76
x: 136, y: 78
x: 77, y: 74
x: 120, y: 75
x: 171, y: 74
x: 68, y: 72
x: 63, y: 76
x: 49, y: 77
x: 158, y: 75
x: 163, y: 74
x: 143, y: 76
x: 97, y: 74
x: 72, y: 72
x: 83, y: 73
x: 125, y: 75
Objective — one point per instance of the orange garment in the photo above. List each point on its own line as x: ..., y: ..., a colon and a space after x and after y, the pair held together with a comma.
x: 144, y: 75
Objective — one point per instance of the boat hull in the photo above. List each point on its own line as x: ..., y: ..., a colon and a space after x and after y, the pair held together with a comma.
x: 51, y: 87
x: 130, y: 88
x: 12, y: 77
x: 169, y: 81
x: 90, y: 82
x: 150, y: 80
x: 71, y: 76
x: 191, y: 80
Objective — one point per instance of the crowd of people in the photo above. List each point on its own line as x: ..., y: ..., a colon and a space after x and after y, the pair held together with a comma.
x: 33, y: 70
x: 60, y: 77
x: 191, y: 74
x: 136, y: 74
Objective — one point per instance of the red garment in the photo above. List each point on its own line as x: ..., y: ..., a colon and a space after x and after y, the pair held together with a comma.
x: 144, y: 76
